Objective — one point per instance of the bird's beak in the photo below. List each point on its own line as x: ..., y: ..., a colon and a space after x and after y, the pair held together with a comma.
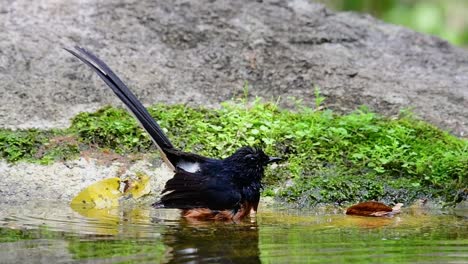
x: 273, y: 159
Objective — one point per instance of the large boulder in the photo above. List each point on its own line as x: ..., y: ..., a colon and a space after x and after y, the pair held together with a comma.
x: 202, y: 52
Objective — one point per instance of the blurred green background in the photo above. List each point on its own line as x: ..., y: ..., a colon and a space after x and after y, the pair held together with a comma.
x: 447, y: 19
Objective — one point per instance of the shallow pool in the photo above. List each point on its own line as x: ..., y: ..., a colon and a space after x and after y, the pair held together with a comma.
x: 46, y: 232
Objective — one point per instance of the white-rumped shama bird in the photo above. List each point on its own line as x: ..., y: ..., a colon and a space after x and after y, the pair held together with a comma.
x: 204, y: 188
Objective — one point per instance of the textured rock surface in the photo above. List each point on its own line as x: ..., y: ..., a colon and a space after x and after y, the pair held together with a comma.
x: 201, y: 52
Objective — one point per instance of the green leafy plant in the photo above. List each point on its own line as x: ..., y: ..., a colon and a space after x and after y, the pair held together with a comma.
x: 17, y: 145
x: 318, y: 98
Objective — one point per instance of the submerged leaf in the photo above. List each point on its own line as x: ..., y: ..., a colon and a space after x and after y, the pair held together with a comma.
x: 102, y: 194
x: 372, y: 208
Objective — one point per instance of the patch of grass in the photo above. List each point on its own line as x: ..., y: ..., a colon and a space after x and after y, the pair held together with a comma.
x: 330, y: 158
x: 58, y: 148
x: 110, y: 128
x: 19, y: 145
x: 36, y: 146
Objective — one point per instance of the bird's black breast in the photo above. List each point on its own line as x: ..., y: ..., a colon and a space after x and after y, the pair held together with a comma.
x: 196, y: 190
x: 215, y: 184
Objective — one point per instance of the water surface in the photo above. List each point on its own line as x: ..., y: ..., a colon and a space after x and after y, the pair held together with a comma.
x: 42, y: 232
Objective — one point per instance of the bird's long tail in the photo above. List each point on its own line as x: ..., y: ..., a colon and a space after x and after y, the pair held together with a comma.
x: 128, y: 98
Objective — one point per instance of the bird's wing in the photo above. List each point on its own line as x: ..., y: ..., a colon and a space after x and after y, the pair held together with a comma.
x: 129, y: 99
x: 191, y: 190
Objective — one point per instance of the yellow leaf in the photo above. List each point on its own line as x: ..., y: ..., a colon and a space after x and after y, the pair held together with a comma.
x: 102, y: 194
x: 106, y: 220
x: 138, y: 187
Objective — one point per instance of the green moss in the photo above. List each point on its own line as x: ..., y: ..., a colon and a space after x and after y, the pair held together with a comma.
x: 17, y: 145
x: 37, y: 146
x: 331, y: 158
x: 110, y: 128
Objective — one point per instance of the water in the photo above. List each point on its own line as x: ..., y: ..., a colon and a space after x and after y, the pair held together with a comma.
x: 45, y: 232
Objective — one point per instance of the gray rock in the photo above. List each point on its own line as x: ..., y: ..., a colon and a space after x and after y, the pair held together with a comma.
x: 202, y: 52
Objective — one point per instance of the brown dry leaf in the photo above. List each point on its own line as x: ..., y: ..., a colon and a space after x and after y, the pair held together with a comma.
x: 373, y: 208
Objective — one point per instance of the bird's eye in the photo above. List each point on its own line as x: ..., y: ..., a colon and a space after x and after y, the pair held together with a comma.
x: 250, y: 157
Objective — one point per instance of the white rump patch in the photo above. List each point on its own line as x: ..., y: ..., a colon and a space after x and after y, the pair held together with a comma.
x: 189, y: 166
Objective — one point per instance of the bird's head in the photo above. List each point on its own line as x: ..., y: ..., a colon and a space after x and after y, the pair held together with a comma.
x: 249, y: 163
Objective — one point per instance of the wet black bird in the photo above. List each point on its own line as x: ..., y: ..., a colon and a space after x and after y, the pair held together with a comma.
x: 204, y: 188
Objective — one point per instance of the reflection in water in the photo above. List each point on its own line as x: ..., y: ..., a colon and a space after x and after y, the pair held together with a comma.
x: 186, y: 241
x: 52, y: 232
x: 213, y: 242
x: 123, y: 234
